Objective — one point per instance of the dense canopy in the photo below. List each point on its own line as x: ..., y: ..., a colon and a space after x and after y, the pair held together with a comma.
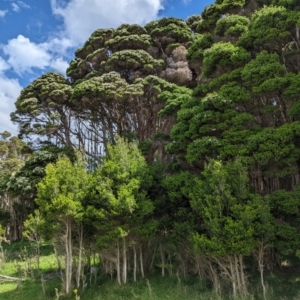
x: 189, y: 133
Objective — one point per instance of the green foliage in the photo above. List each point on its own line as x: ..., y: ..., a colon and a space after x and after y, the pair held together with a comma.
x: 232, y: 25
x: 202, y: 42
x: 23, y: 181
x: 235, y: 122
x: 120, y: 205
x: 269, y: 27
x: 228, y: 209
x: 224, y: 56
x: 45, y: 96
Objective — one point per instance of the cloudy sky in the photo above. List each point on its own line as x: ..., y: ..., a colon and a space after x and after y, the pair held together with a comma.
x: 37, y: 36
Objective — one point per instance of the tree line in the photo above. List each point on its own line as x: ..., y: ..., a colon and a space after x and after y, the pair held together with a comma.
x: 170, y: 146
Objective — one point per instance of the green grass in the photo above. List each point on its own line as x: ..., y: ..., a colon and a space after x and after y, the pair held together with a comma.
x: 284, y: 283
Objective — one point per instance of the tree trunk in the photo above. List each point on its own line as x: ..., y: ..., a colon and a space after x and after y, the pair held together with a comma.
x: 142, y: 262
x: 124, y: 274
x: 118, y: 264
x: 259, y: 256
x: 79, y: 268
x: 69, y: 257
x: 134, y: 263
x: 162, y: 255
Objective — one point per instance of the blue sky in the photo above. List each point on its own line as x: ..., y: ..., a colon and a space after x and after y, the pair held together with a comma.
x: 37, y: 36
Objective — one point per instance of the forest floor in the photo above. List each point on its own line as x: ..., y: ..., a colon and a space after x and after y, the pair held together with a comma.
x: 283, y: 283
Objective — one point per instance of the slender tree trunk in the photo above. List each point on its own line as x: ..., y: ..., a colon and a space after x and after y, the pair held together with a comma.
x: 124, y: 275
x: 259, y: 255
x: 134, y: 263
x: 69, y: 256
x: 142, y: 262
x: 162, y: 255
x: 79, y: 268
x: 118, y: 264
x: 243, y: 280
x: 237, y: 273
x: 233, y: 278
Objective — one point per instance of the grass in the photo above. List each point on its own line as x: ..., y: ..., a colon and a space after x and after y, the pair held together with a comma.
x: 284, y: 283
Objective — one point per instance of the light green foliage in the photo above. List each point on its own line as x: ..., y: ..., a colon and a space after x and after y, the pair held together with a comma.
x: 223, y: 57
x: 62, y: 190
x: 33, y: 227
x: 269, y: 27
x: 222, y: 198
x: 213, y: 12
x: 119, y: 205
x: 232, y: 25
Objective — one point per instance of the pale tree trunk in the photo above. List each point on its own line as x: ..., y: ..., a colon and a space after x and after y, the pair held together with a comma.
x: 79, y: 268
x: 213, y: 274
x: 134, y: 263
x: 259, y: 256
x: 233, y: 268
x: 118, y: 264
x: 124, y: 274
x: 69, y: 256
x: 142, y: 262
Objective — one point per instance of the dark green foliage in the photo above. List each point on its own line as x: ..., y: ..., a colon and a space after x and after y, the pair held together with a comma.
x: 23, y: 182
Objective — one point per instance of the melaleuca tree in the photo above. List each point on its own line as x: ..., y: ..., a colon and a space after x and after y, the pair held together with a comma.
x: 113, y: 88
x: 41, y: 109
x: 121, y: 94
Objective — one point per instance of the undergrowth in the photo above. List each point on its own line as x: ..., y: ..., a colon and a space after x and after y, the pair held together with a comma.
x: 283, y: 283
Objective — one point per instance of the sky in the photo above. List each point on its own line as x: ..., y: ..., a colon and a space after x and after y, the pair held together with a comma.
x: 37, y: 36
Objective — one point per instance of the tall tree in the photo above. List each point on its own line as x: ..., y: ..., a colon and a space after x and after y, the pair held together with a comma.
x: 59, y: 197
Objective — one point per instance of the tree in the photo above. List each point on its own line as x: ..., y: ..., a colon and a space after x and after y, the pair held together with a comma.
x: 228, y: 210
x: 59, y: 197
x: 13, y: 153
x: 120, y: 207
x: 41, y: 109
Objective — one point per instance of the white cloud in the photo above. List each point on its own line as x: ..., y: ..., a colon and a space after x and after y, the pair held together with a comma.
x: 25, y: 55
x: 9, y: 92
x: 3, y: 65
x: 23, y: 4
x: 15, y: 7
x: 60, y: 65
x: 82, y: 17
x: 3, y: 13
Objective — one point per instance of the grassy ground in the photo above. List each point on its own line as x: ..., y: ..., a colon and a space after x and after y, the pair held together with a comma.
x: 284, y: 283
